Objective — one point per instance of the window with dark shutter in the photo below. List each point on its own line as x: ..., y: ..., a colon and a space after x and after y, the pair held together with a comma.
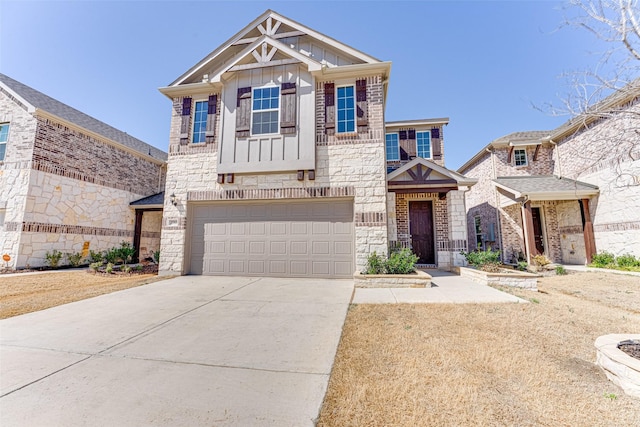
x: 361, y: 105
x: 243, y: 112
x: 329, y: 108
x: 407, y: 143
x: 436, y: 144
x: 288, y: 108
x: 185, y: 120
x: 212, y: 108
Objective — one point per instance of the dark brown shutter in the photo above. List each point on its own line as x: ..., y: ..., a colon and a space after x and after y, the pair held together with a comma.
x: 212, y: 108
x: 412, y: 147
x: 243, y: 112
x: 361, y: 105
x: 436, y: 144
x: 186, y: 116
x: 329, y: 108
x: 407, y: 143
x: 288, y: 108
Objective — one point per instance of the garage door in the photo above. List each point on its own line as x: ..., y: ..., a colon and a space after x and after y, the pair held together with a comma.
x: 281, y: 239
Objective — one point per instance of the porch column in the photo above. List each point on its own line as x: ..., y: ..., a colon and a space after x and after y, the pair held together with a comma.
x: 527, y: 224
x: 589, y: 237
x: 137, y: 232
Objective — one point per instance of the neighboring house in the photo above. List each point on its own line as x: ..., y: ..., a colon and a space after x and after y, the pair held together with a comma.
x: 566, y: 193
x: 67, y: 180
x: 277, y: 163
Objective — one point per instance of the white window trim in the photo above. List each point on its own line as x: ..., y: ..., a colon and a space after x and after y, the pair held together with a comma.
x: 5, y: 143
x: 430, y: 144
x: 266, y: 110
x: 385, y: 146
x: 526, y: 158
x: 193, y: 120
x: 355, y: 111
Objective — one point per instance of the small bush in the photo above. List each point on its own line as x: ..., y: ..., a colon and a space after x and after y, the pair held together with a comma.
x: 53, y: 258
x: 603, y: 259
x: 484, y: 260
x: 627, y: 260
x: 126, y: 269
x: 75, y: 259
x: 109, y: 268
x: 401, y: 262
x: 522, y: 265
x: 540, y: 260
x: 375, y: 264
x: 95, y: 266
x: 156, y: 256
x: 112, y: 256
x: 126, y: 252
x: 96, y: 257
x: 560, y: 270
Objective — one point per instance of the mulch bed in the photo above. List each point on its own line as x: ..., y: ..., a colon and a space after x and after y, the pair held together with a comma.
x: 146, y: 269
x: 631, y: 347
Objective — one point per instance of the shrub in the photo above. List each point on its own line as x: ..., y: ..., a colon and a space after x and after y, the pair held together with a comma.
x: 540, y: 260
x: 522, y: 265
x: 627, y: 260
x: 603, y: 259
x: 53, y: 258
x: 96, y: 257
x: 484, y: 260
x: 560, y: 270
x: 126, y: 269
x: 75, y: 259
x: 109, y: 268
x: 156, y: 256
x: 112, y: 256
x: 401, y: 262
x: 94, y: 266
x: 126, y: 252
x: 375, y: 264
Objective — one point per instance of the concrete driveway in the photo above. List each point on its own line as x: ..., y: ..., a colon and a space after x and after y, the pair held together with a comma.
x: 189, y: 351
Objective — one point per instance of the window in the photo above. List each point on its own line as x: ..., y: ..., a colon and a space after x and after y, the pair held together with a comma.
x: 478, y: 228
x: 346, y: 109
x: 393, y: 149
x: 423, y: 144
x: 4, y: 135
x: 200, y: 122
x: 265, y: 110
x: 520, y: 157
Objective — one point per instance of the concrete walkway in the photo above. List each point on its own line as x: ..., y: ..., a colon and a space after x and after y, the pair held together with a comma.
x: 448, y: 288
x: 189, y: 351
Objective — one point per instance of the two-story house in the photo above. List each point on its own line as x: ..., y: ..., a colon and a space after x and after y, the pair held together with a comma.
x: 278, y: 162
x: 67, y: 181
x: 566, y: 193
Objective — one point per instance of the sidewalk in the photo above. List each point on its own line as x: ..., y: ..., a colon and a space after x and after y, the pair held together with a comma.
x: 446, y: 288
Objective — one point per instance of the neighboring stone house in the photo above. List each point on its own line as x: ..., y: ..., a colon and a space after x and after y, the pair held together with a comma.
x: 67, y: 180
x: 566, y: 193
x: 277, y: 162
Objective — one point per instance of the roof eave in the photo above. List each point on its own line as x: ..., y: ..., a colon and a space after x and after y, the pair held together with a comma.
x: 30, y: 107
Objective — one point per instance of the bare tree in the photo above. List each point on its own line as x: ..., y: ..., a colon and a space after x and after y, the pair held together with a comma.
x: 608, y: 92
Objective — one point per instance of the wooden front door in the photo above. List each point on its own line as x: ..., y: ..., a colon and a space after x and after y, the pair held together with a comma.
x: 421, y: 230
x: 537, y: 230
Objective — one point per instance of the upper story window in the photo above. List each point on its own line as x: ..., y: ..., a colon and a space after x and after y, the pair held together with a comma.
x: 520, y: 157
x: 346, y: 110
x: 393, y: 148
x: 200, y: 122
x: 4, y: 136
x: 265, y: 110
x: 423, y: 144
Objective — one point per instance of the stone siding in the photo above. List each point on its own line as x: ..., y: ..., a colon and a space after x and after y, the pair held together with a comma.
x: 346, y: 166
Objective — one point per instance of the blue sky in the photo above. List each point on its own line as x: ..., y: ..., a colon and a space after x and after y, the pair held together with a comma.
x: 483, y: 64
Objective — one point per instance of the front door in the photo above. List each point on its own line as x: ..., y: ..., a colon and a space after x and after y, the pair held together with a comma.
x: 421, y: 230
x: 537, y: 230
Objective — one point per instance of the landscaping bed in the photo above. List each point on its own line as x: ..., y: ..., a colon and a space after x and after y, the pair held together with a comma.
x: 502, y: 277
x: 417, y: 279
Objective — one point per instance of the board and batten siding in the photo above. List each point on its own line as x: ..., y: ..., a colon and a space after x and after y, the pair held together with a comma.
x: 293, y: 148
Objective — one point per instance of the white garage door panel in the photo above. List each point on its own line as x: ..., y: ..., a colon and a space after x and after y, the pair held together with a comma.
x: 294, y: 238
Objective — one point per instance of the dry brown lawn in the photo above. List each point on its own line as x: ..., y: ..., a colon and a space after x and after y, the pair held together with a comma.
x: 486, y: 364
x: 24, y: 293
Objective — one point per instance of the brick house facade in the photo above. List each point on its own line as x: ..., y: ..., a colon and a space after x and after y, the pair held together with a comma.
x: 285, y: 172
x: 66, y: 180
x: 579, y: 188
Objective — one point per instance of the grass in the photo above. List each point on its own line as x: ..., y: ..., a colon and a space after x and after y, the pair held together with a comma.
x: 486, y: 364
x: 25, y: 293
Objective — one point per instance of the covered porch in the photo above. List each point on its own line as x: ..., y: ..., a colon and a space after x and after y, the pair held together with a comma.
x: 427, y: 212
x: 148, y: 225
x: 550, y: 215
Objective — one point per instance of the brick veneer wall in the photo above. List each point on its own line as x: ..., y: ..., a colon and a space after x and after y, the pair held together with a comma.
x: 346, y: 166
